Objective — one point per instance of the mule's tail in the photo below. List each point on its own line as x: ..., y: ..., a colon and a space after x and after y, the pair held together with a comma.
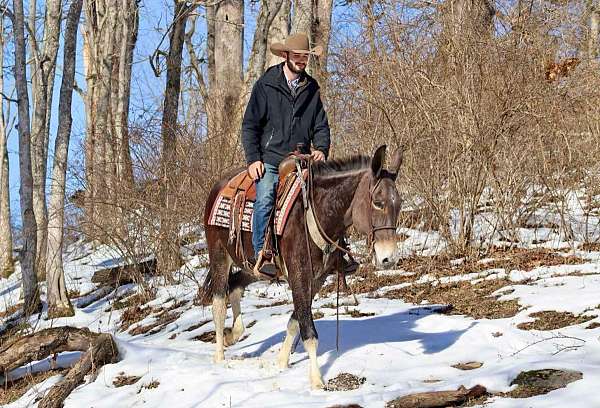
x: 206, y: 291
x: 235, y: 280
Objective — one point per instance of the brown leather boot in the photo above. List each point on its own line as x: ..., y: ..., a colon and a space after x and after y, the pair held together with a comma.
x: 265, y: 266
x: 349, y: 265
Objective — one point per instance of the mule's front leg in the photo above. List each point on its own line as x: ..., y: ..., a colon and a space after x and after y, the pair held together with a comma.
x: 286, y: 348
x: 308, y: 332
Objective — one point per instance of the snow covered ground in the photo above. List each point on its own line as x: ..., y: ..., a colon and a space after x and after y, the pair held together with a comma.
x: 401, y: 348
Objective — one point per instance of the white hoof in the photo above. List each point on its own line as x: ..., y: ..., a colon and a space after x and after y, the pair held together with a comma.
x: 219, y: 357
x: 283, y: 363
x: 317, y: 383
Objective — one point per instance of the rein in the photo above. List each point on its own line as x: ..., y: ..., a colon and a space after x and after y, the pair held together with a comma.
x: 330, y: 241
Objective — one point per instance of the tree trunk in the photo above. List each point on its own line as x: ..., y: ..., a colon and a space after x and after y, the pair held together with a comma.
x: 6, y: 244
x: 31, y: 296
x: 593, y: 45
x: 321, y: 35
x: 168, y: 254
x: 466, y: 23
x: 269, y: 9
x: 129, y: 30
x: 229, y: 40
x: 304, y: 21
x: 42, y: 104
x: 279, y: 30
x: 224, y: 101
x: 109, y: 36
x: 303, y: 16
x: 58, y: 301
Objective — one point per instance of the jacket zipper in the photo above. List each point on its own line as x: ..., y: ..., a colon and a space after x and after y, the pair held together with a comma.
x: 270, y: 138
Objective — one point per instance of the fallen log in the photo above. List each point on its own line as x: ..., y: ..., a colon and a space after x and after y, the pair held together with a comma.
x: 123, y: 274
x: 102, y: 351
x: 435, y: 399
x: 98, y: 348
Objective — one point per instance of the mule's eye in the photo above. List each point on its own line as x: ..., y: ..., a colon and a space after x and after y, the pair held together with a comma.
x: 378, y: 205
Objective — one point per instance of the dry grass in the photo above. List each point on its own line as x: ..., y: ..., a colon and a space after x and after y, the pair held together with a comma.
x: 344, y: 382
x: 10, y: 310
x: 151, y: 385
x: 471, y: 365
x: 539, y: 382
x: 196, y: 326
x: 122, y: 380
x: 277, y: 303
x: 207, y: 337
x: 442, y: 266
x: 133, y: 314
x: 162, y: 320
x: 552, y: 320
x: 465, y: 298
x: 13, y: 390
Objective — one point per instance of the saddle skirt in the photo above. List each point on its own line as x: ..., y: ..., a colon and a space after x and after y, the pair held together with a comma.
x: 234, y: 205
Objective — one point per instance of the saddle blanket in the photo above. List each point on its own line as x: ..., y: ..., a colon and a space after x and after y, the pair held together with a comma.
x: 221, y: 212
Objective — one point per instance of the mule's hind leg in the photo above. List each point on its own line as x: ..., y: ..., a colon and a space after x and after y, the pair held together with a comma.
x: 220, y: 265
x: 232, y: 336
x: 286, y: 348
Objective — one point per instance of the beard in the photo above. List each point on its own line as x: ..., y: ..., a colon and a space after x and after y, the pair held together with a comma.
x: 293, y: 68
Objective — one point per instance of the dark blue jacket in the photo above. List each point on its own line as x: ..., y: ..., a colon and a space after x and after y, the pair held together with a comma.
x: 276, y: 119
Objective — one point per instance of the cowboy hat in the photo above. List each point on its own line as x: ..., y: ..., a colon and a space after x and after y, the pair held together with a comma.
x: 295, y: 43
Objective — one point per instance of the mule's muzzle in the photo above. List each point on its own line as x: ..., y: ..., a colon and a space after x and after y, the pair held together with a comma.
x: 386, y: 253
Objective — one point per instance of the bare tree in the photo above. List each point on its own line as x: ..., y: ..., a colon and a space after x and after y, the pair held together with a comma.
x: 99, y: 48
x: 110, y: 34
x: 58, y: 301
x: 594, y: 30
x: 279, y: 30
x: 42, y: 89
x: 269, y: 10
x: 30, y: 288
x: 168, y: 255
x: 6, y: 244
x: 321, y: 33
x: 303, y: 17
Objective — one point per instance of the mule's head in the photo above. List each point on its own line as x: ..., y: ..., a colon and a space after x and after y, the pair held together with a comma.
x: 376, y: 205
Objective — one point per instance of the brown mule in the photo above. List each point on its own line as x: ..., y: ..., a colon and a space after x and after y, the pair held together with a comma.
x: 356, y: 191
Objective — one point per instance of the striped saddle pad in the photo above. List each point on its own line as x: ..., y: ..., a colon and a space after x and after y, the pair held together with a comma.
x: 240, y: 205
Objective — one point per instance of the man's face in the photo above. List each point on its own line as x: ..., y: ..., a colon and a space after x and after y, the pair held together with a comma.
x: 296, y: 62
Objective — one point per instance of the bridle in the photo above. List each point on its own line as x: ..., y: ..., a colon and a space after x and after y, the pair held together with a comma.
x: 306, y: 160
x: 371, y: 235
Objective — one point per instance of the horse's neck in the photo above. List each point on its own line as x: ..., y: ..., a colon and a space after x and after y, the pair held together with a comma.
x: 333, y: 196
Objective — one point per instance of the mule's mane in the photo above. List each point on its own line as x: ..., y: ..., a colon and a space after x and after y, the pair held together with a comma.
x: 345, y: 165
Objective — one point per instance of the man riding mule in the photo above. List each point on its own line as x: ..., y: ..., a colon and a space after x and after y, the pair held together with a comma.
x: 357, y: 192
x: 284, y: 111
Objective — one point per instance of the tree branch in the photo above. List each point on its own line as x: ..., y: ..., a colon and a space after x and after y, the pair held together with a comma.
x: 6, y: 98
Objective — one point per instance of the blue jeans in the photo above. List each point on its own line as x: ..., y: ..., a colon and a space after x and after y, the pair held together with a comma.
x: 266, y: 191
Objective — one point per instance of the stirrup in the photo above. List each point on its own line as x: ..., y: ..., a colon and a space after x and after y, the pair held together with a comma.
x: 265, y: 267
x: 349, y: 266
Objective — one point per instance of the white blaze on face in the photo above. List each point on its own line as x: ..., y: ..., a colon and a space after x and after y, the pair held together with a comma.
x: 386, y: 252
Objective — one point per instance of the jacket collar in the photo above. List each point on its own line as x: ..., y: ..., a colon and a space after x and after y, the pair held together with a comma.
x: 275, y: 77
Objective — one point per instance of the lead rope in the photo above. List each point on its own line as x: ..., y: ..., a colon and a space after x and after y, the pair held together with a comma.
x: 337, y: 316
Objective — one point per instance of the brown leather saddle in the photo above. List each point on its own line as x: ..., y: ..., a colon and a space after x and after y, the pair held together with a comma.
x: 241, y: 188
x: 243, y: 183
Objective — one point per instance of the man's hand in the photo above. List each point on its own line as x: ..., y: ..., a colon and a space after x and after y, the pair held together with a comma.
x: 256, y: 170
x: 318, y: 155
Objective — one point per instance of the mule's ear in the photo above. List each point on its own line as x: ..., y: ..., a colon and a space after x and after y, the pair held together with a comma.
x: 377, y: 160
x: 397, y: 159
